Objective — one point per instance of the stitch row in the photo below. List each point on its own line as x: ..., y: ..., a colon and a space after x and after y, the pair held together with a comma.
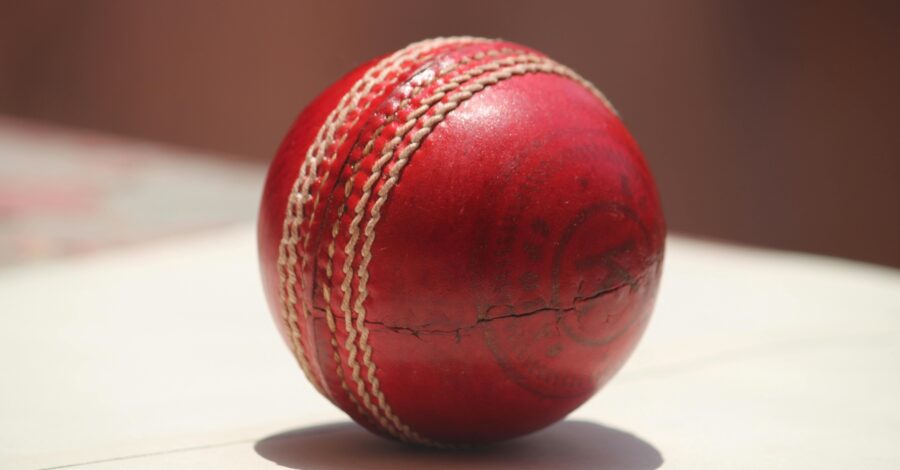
x: 319, y: 146
x: 328, y: 144
x: 288, y: 255
x: 354, y: 232
x: 326, y: 289
x: 441, y: 111
x: 387, y: 425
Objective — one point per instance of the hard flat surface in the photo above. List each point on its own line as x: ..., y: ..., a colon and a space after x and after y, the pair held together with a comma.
x: 164, y: 356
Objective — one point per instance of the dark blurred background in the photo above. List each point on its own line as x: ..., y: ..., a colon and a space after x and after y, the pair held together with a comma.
x: 770, y: 123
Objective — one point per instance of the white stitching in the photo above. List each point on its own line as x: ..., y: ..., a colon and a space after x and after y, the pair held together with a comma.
x: 326, y: 289
x: 288, y: 254
x: 441, y: 111
x: 349, y: 250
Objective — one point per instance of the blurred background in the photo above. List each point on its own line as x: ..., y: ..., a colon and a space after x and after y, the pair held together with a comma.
x: 767, y: 123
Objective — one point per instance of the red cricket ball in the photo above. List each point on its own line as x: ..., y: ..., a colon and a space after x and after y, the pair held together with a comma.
x: 460, y: 242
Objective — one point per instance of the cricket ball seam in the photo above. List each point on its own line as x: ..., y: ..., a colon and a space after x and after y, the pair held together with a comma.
x: 287, y: 258
x: 367, y: 148
x: 374, y: 176
x: 469, y: 90
x: 405, y: 432
x: 294, y: 213
x: 329, y: 265
x: 316, y: 154
x: 451, y: 41
x: 329, y: 142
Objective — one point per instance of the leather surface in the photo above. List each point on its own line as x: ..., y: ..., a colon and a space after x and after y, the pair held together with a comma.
x: 514, y: 264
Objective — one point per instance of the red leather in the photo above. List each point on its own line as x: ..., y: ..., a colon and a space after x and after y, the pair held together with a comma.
x: 514, y: 265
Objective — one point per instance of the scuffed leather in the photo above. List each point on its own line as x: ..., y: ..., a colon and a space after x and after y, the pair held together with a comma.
x: 514, y: 266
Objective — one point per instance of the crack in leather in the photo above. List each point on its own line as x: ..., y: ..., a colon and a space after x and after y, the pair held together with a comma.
x: 417, y: 330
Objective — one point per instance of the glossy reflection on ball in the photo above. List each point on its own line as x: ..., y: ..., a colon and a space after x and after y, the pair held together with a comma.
x: 460, y: 242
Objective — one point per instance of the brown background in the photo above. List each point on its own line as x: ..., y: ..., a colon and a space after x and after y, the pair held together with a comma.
x: 771, y: 123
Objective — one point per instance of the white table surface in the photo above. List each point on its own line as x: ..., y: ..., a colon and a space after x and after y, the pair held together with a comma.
x: 164, y: 356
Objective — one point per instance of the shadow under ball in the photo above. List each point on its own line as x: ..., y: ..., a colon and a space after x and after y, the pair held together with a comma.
x: 460, y: 242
